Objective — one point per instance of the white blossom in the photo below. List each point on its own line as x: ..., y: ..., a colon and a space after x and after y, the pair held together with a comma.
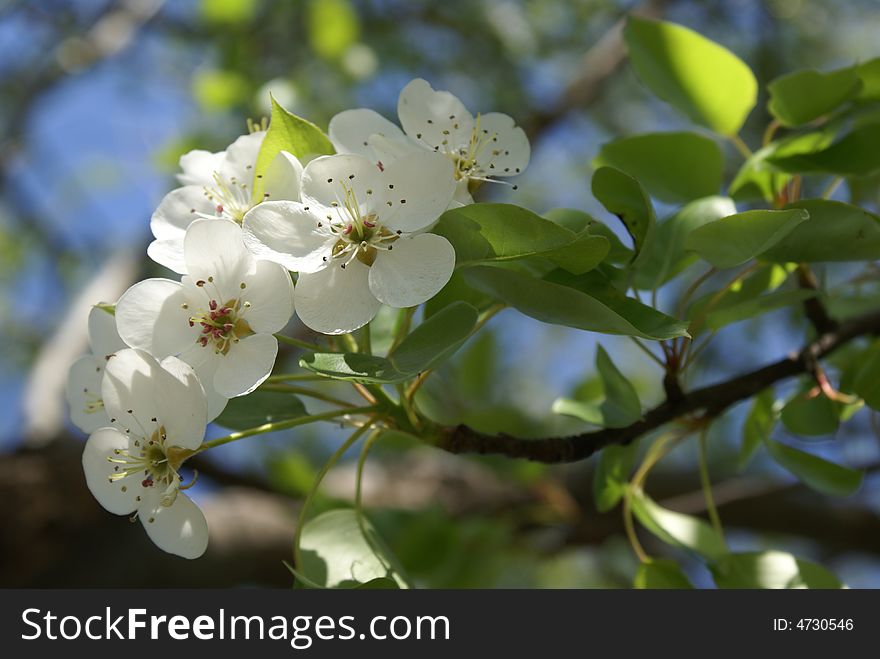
x: 357, y: 238
x: 86, y: 373
x: 157, y: 417
x: 481, y: 148
x: 218, y: 185
x: 220, y: 318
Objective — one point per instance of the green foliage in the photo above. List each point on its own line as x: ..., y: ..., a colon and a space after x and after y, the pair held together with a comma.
x: 334, y: 27
x: 703, y: 80
x: 625, y: 197
x: 582, y: 223
x: 771, y: 569
x: 678, y: 529
x: 759, y: 423
x: 800, y: 97
x: 561, y: 305
x: 228, y: 12
x: 866, y: 382
x: 869, y: 74
x: 217, y: 90
x: 290, y: 133
x: 611, y: 477
x: 337, y: 552
x: 620, y: 406
x: 661, y: 574
x: 855, y: 154
x: 810, y: 413
x: 815, y: 472
x: 674, y: 167
x: 733, y: 240
x: 259, y: 408
x: 425, y: 347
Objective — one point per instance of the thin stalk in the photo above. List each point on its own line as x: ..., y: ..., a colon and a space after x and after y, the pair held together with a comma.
x: 296, y: 377
x: 706, y: 483
x: 401, y: 328
x: 366, y: 343
x: 283, y: 425
x: 650, y: 354
x: 772, y: 127
x: 832, y: 187
x: 305, y: 345
x: 741, y: 146
x: 309, y: 393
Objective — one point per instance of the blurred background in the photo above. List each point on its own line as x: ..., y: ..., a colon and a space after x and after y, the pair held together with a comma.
x: 99, y: 99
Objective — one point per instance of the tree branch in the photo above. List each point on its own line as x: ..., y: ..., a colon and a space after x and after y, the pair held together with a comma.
x: 712, y: 400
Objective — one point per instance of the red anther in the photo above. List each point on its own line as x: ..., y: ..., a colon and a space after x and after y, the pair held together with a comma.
x: 214, y: 315
x: 200, y: 282
x: 192, y: 323
x: 225, y: 311
x: 228, y: 327
x: 348, y: 229
x: 369, y: 225
x: 204, y: 341
x: 381, y: 166
x: 212, y: 304
x: 206, y: 329
x: 219, y: 208
x: 147, y: 482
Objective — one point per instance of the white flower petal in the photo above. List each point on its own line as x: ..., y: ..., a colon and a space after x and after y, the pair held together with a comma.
x: 350, y: 131
x: 118, y: 497
x: 131, y: 380
x: 179, y: 529
x: 83, y: 392
x: 177, y: 210
x: 336, y: 300
x: 181, y: 400
x: 215, y: 250
x: 282, y: 178
x: 241, y: 156
x: 436, y: 119
x: 269, y: 293
x: 281, y: 231
x: 199, y: 166
x: 247, y: 364
x: 387, y: 150
x: 168, y: 253
x: 414, y: 271
x: 420, y: 187
x: 462, y: 195
x: 103, y: 338
x: 325, y: 180
x: 150, y: 316
x: 508, y: 151
x: 205, y: 362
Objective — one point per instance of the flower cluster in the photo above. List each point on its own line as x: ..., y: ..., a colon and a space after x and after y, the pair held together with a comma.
x: 353, y: 228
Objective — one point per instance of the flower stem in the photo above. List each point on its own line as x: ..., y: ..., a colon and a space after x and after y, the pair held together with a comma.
x: 338, y: 453
x: 296, y: 377
x: 283, y: 425
x: 741, y: 146
x: 706, y: 482
x: 305, y: 345
x: 304, y: 391
x: 401, y: 327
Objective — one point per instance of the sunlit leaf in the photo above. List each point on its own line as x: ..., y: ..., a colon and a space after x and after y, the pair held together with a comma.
x: 258, y: 408
x: 799, y: 97
x: 678, y: 529
x: 625, y: 197
x: 661, y: 573
x: 771, y: 569
x: 817, y: 473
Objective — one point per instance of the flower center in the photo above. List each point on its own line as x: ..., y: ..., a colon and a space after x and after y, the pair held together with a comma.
x: 359, y: 235
x: 231, y: 198
x: 222, y: 323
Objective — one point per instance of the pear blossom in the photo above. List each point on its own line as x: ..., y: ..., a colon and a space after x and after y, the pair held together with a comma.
x: 358, y: 237
x: 218, y: 185
x: 220, y: 318
x: 86, y: 373
x: 481, y: 148
x: 157, y: 418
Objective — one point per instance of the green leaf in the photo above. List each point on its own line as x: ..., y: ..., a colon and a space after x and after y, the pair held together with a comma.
x: 855, y: 154
x: 698, y: 77
x: 673, y: 167
x: 580, y: 222
x: 582, y: 255
x: 661, y: 574
x: 227, y: 12
x: 482, y: 233
x: 678, y: 529
x: 379, y: 583
x: 810, y: 414
x: 620, y: 407
x: 333, y: 27
x: 735, y: 239
x: 835, y: 232
x: 817, y: 473
x: 737, y: 309
x: 288, y: 132
x: 869, y: 74
x: 666, y: 257
x: 799, y: 97
x: 219, y: 90
x: 456, y: 290
x: 435, y: 340
x: 612, y: 473
x: 866, y: 382
x: 758, y: 425
x: 625, y: 197
x: 258, y: 408
x: 560, y: 305
x: 771, y: 569
x: 336, y: 554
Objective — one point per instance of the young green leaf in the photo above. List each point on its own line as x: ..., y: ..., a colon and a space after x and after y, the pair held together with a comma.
x: 666, y: 256
x: 817, y: 473
x: 661, y: 573
x: 758, y: 425
x: 770, y: 569
x: 802, y: 96
x: 612, y: 473
x: 258, y: 408
x: 673, y: 167
x: 836, y: 232
x: 560, y: 305
x: 678, y: 529
x: 698, y: 77
x: 866, y: 382
x: 580, y: 222
x: 625, y: 197
x: 869, y: 74
x: 435, y: 340
x: 855, y: 154
x: 735, y: 239
x: 811, y: 414
x: 482, y: 233
x: 735, y: 309
x: 288, y: 132
x: 335, y: 553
